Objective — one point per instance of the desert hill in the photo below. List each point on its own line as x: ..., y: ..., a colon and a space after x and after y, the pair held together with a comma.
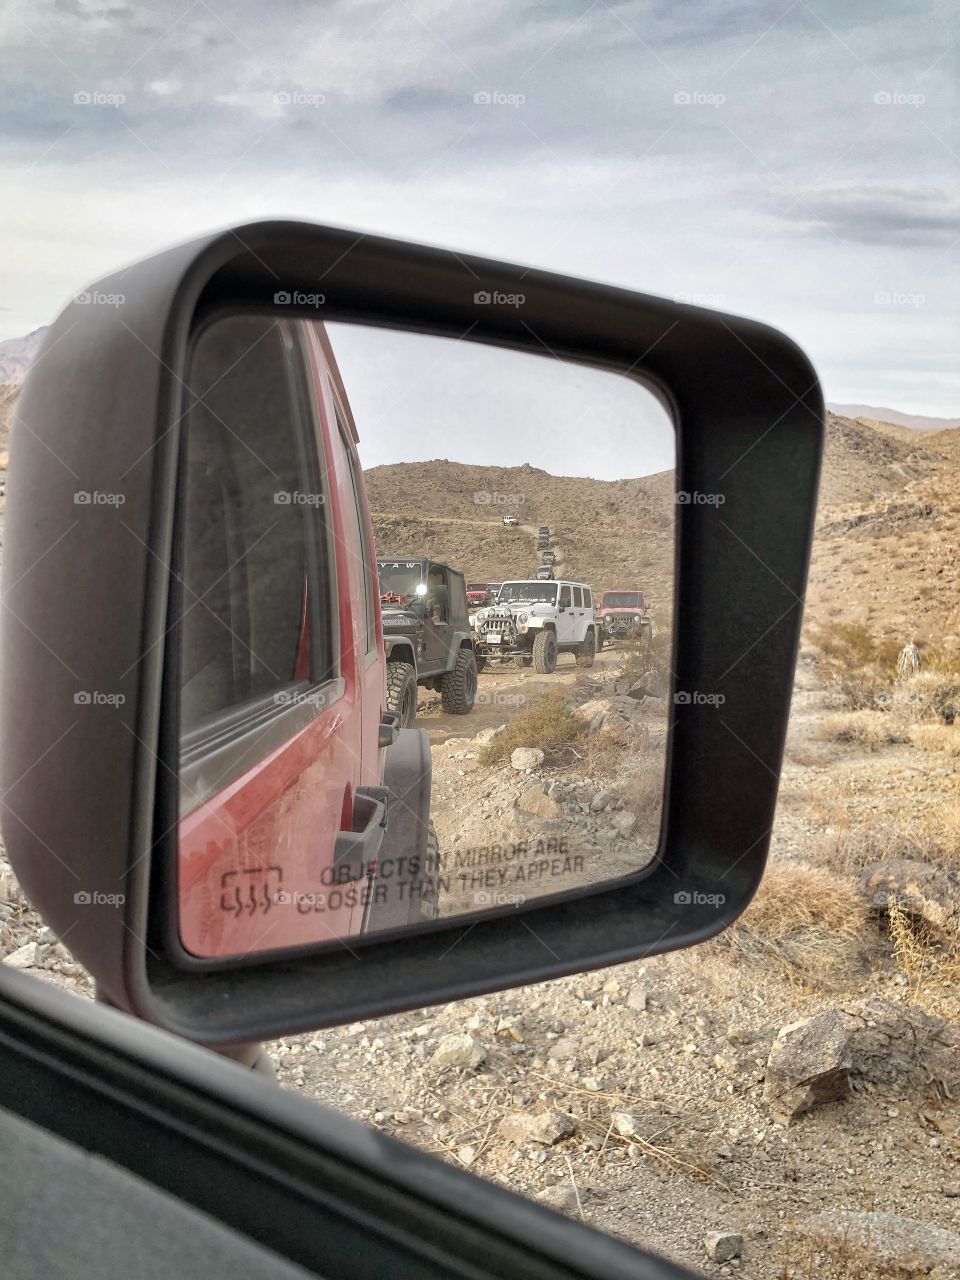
x: 911, y: 421
x: 887, y: 551
x: 17, y: 355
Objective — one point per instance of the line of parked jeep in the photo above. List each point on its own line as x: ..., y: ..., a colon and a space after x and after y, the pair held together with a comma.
x: 441, y: 632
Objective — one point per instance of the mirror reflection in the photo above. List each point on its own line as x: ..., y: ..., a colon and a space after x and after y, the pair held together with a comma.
x: 421, y: 617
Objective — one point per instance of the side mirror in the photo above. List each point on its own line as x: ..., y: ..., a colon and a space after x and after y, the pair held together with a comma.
x: 180, y: 662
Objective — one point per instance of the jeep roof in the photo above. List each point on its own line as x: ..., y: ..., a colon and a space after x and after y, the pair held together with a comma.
x: 559, y: 582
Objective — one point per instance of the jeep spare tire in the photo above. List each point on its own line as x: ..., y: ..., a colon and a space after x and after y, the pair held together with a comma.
x: 402, y: 692
x: 458, y: 688
x: 545, y: 653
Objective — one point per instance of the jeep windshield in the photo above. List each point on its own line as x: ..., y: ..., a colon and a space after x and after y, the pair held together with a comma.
x: 622, y: 600
x: 528, y: 593
x: 399, y: 580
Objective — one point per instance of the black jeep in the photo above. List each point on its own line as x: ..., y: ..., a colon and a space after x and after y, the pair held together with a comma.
x: 426, y: 634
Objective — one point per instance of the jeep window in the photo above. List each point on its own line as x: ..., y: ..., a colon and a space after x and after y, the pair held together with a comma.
x: 577, y: 598
x: 528, y: 592
x: 564, y: 597
x: 249, y: 528
x: 399, y: 578
x: 622, y: 600
x: 587, y: 598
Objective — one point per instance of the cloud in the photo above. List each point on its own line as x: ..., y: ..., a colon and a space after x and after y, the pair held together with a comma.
x: 878, y: 215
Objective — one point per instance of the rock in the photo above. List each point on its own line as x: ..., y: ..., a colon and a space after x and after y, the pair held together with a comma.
x: 895, y: 1045
x: 721, y: 1246
x: 486, y: 734
x: 809, y: 1064
x: 562, y: 1198
x: 547, y: 1128
x: 535, y: 800
x: 466, y: 1155
x: 637, y: 999
x: 624, y: 1124
x: 459, y: 1051
x: 526, y: 758
x: 739, y: 1035
x: 596, y: 711
x: 650, y: 685
x: 624, y: 821
x: 600, y: 801
x: 886, y: 1241
x: 24, y: 957
x: 512, y: 1027
x: 565, y: 1047
x: 930, y: 893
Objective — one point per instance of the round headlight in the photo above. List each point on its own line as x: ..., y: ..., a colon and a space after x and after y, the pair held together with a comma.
x: 521, y: 618
x: 636, y: 617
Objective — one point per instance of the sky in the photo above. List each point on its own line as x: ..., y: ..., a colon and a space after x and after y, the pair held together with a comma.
x: 791, y: 161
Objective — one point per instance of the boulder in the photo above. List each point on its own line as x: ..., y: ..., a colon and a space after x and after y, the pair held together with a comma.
x: 525, y: 759
x: 809, y: 1064
x: 601, y: 800
x: 534, y: 799
x: 24, y: 957
x: 596, y: 712
x: 927, y: 892
x: 546, y: 1128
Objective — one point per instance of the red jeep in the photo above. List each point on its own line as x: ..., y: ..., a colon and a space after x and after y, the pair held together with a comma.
x: 624, y: 614
x: 289, y: 830
x: 478, y: 594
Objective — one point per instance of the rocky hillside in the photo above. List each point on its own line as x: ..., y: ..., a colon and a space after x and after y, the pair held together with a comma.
x: 886, y: 552
x: 609, y: 533
x: 17, y: 355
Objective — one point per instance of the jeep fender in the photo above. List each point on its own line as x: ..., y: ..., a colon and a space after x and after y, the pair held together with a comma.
x: 399, y: 651
x: 458, y: 641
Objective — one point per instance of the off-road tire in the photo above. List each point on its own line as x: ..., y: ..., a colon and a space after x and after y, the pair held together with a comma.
x: 587, y: 650
x: 601, y: 638
x: 545, y: 653
x: 420, y: 901
x: 522, y: 660
x: 458, y: 688
x: 428, y: 905
x: 402, y: 692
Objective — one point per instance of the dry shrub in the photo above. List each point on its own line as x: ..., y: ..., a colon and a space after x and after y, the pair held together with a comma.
x: 809, y: 919
x: 870, y: 729
x: 932, y: 694
x: 643, y: 794
x: 931, y: 964
x: 937, y: 737
x: 859, y: 666
x: 601, y: 752
x: 550, y: 723
x: 934, y: 836
x: 639, y: 657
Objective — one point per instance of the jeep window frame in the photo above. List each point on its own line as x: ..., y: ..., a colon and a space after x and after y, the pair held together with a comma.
x: 229, y: 742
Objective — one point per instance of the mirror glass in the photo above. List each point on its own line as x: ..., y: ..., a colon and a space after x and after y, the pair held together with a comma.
x: 421, y: 610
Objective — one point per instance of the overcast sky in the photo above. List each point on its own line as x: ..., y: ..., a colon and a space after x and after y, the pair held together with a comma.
x: 796, y: 162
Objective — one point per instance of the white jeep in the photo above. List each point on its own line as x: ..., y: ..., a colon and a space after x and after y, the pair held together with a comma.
x: 532, y: 622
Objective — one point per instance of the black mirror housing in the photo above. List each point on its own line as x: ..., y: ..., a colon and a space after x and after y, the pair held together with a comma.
x: 86, y: 609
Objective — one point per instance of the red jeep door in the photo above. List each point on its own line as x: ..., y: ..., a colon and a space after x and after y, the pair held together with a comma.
x: 271, y: 707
